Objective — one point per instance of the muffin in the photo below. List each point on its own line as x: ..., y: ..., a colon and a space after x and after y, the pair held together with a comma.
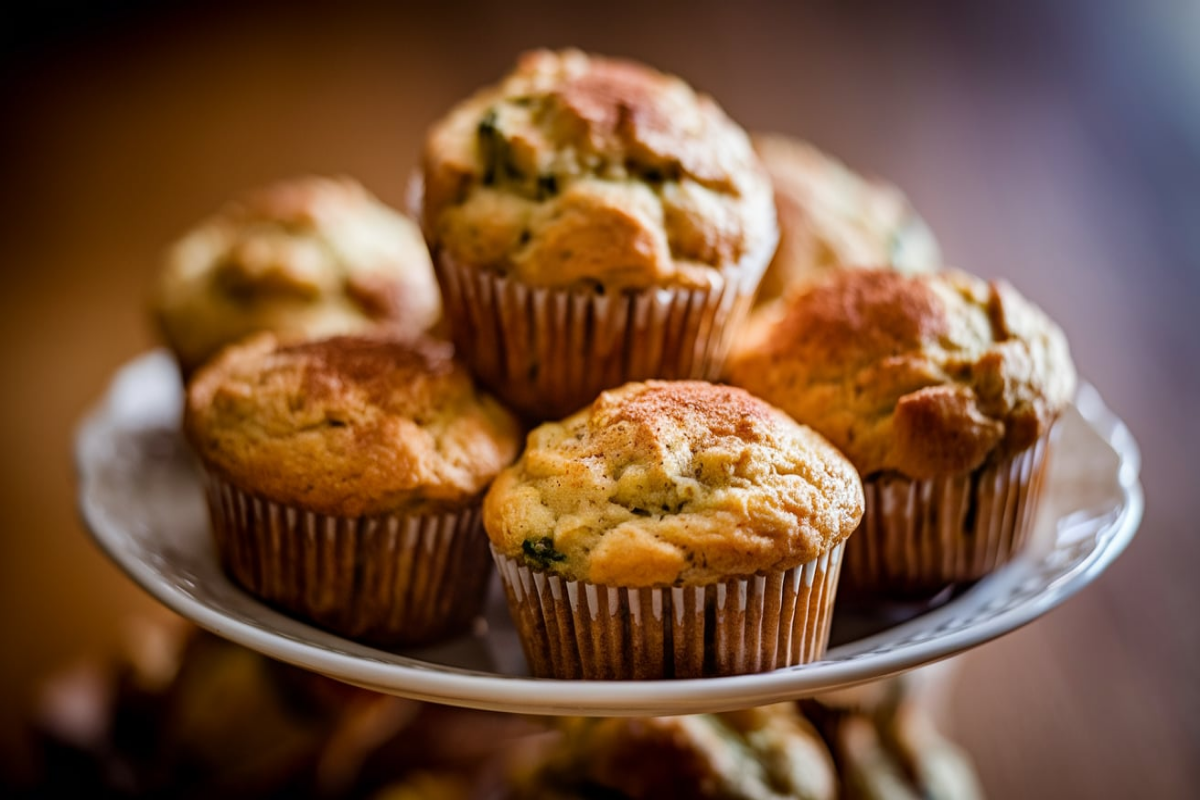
x: 592, y: 221
x: 885, y: 742
x: 766, y: 753
x: 344, y: 478
x: 943, y: 390
x: 902, y: 758
x: 309, y: 257
x: 832, y: 218
x: 672, y: 529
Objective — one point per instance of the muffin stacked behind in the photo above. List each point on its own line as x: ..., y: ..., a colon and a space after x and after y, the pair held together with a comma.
x: 593, y: 221
x: 344, y: 479
x: 672, y: 529
x: 942, y: 389
x: 832, y: 218
x: 307, y: 257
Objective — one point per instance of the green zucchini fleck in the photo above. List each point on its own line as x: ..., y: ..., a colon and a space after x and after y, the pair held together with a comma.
x: 540, y: 553
x: 491, y: 146
x: 547, y: 186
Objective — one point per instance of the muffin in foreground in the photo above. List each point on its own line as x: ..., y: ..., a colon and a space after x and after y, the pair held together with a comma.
x: 943, y: 390
x: 757, y: 754
x: 310, y: 257
x: 593, y: 221
x: 671, y: 530
x: 833, y: 218
x: 344, y: 478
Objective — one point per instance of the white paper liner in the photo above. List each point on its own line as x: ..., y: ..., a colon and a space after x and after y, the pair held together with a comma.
x: 391, y: 580
x: 550, y: 351
x: 916, y: 537
x: 573, y: 629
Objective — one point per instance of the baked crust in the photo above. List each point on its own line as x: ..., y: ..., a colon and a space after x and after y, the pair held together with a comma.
x: 927, y: 375
x: 579, y: 170
x: 672, y: 483
x: 348, y: 426
x: 833, y: 218
x: 310, y: 256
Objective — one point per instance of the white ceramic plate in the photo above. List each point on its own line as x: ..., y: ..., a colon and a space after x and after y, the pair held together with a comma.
x: 140, y: 496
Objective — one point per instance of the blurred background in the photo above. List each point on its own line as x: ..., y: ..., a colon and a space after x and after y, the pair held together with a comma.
x: 1056, y: 145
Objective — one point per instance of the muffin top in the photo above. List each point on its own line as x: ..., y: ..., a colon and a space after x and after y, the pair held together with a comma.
x: 766, y: 753
x: 830, y: 217
x: 580, y: 170
x: 926, y: 375
x: 672, y: 483
x: 310, y: 256
x: 348, y: 426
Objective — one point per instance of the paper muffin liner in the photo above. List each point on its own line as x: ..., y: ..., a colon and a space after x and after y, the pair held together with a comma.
x: 391, y: 580
x: 574, y: 629
x: 918, y: 536
x: 550, y: 351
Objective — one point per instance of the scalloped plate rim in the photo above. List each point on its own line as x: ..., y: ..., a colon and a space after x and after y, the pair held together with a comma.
x: 846, y: 665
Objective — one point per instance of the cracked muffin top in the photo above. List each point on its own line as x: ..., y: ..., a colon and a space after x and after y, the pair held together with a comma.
x: 925, y: 375
x: 311, y: 256
x: 577, y: 170
x: 831, y: 217
x: 672, y: 483
x: 349, y: 426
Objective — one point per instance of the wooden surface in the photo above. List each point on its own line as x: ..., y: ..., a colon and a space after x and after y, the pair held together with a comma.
x: 1057, y: 148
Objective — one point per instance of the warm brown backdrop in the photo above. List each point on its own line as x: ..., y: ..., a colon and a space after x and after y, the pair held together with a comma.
x: 1057, y: 147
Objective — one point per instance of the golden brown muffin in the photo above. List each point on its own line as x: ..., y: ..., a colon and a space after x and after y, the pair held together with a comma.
x: 670, y: 530
x: 593, y: 222
x: 830, y: 218
x: 577, y: 169
x: 344, y: 478
x: 924, y: 375
x: 672, y: 483
x: 308, y: 257
x: 942, y: 389
x: 767, y: 753
x: 904, y: 758
x: 883, y: 738
x: 349, y: 426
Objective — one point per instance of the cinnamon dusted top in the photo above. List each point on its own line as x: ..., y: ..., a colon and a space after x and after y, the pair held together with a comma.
x: 832, y: 218
x: 926, y: 375
x: 672, y: 483
x: 579, y: 170
x: 349, y: 426
x: 309, y: 256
